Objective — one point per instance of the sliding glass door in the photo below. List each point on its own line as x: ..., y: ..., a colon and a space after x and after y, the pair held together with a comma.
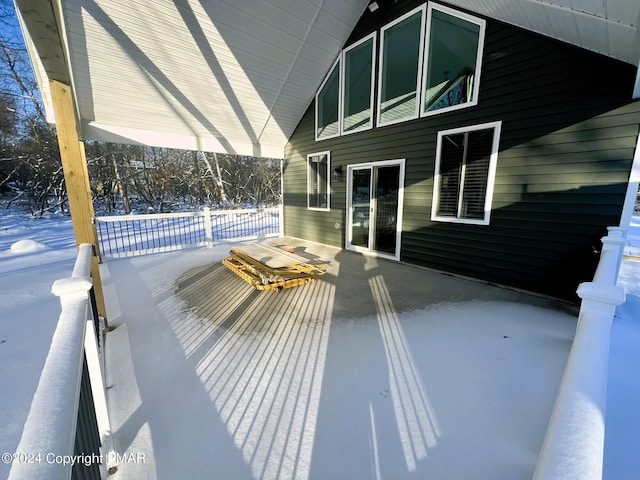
x: 375, y: 207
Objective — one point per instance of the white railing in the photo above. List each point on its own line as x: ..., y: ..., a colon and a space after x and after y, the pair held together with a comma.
x: 573, y: 447
x: 127, y: 235
x: 47, y: 446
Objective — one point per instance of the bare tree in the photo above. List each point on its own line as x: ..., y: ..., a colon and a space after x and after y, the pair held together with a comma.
x: 214, y: 173
x: 8, y: 130
x: 107, y: 173
x: 266, y: 182
x: 31, y: 166
x: 252, y: 181
x: 121, y: 184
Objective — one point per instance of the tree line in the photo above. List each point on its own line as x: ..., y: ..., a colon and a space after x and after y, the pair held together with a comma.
x: 124, y: 178
x: 128, y: 177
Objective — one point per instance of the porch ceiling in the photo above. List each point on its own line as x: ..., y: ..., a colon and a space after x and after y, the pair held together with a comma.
x: 214, y: 75
x: 609, y: 27
x: 236, y: 76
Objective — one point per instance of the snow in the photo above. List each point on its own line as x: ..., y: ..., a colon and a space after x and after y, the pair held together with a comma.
x: 27, y: 246
x: 376, y: 381
x: 29, y: 312
x: 622, y: 451
x: 332, y: 398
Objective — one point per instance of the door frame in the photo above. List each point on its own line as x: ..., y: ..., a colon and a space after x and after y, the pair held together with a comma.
x: 372, y: 209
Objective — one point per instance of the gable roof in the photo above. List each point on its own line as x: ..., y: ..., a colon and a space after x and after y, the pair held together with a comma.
x: 237, y: 76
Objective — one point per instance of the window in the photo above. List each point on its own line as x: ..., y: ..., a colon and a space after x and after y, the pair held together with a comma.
x: 464, y: 175
x: 318, y: 181
x: 430, y: 61
x: 357, y: 84
x: 327, y: 105
x: 452, y: 67
x: 400, y: 68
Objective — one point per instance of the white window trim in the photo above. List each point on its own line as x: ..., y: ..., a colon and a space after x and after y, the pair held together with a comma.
x: 328, y: 207
x: 338, y: 64
x: 476, y: 81
x: 491, y: 174
x: 343, y: 88
x: 419, y: 82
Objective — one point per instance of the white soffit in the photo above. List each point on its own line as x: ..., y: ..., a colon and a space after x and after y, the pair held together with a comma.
x: 229, y: 76
x: 237, y: 75
x: 609, y: 27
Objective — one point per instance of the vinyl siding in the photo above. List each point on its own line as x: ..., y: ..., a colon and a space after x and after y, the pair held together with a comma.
x: 566, y: 147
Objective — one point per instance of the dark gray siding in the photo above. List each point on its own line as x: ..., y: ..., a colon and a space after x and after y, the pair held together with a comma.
x: 567, y: 143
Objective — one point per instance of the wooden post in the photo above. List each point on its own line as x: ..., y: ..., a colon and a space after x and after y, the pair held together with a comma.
x: 76, y: 176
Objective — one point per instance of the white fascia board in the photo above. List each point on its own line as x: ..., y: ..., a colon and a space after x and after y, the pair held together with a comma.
x: 38, y: 70
x: 126, y: 135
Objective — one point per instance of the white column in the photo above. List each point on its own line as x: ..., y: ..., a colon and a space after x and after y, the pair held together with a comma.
x: 208, y: 227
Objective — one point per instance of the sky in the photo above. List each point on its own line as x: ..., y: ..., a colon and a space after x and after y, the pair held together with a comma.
x: 11, y: 36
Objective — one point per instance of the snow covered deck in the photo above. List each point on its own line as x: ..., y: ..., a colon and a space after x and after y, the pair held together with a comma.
x: 376, y: 370
x: 165, y: 406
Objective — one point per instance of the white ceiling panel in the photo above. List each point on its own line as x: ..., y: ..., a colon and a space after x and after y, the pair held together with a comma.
x: 622, y: 11
x: 237, y: 75
x: 609, y: 27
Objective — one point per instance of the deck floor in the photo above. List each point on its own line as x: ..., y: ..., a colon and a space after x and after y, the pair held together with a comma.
x: 375, y: 370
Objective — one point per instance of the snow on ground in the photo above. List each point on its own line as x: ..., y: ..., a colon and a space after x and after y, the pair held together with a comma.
x: 36, y: 252
x: 33, y: 254
x: 622, y: 448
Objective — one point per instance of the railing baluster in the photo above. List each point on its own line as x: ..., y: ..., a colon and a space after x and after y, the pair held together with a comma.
x: 158, y: 231
x: 215, y: 228
x: 178, y: 228
x: 126, y: 226
x: 100, y: 237
x: 115, y: 241
x: 153, y: 225
x: 188, y: 229
x: 116, y: 236
x: 181, y: 231
x: 171, y: 227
